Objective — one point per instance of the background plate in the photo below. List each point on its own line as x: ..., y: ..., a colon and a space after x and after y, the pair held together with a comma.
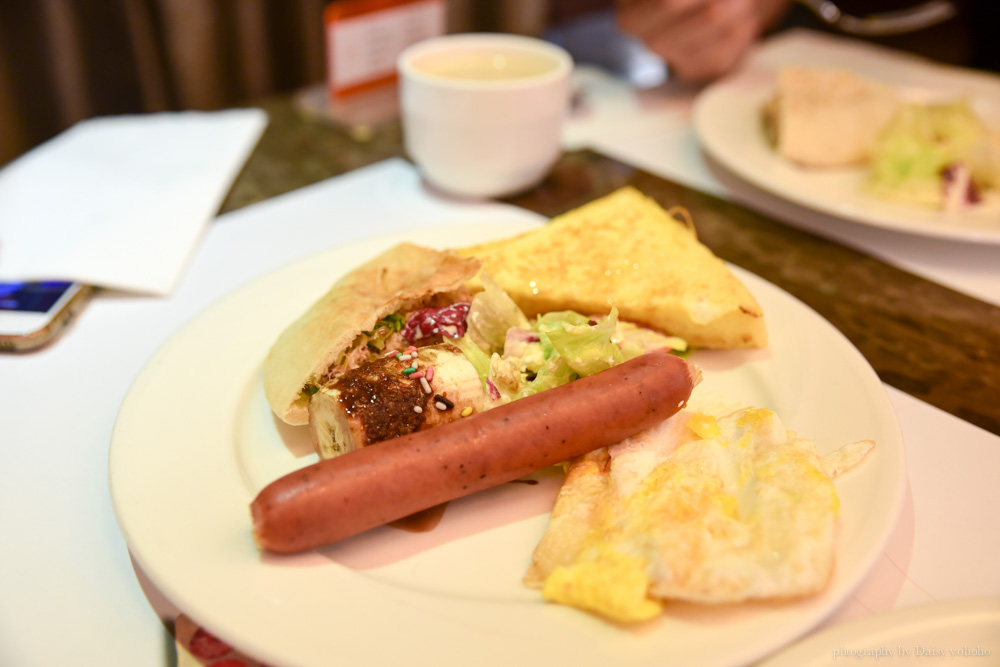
x: 727, y: 121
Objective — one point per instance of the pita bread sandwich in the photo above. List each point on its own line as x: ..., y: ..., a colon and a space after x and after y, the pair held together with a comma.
x: 363, y: 314
x: 827, y: 117
x: 625, y: 251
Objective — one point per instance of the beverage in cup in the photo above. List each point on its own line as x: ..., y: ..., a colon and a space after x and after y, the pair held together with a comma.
x: 483, y: 113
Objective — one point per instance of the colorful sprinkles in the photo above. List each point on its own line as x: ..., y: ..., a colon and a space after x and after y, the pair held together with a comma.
x: 415, y: 372
x: 424, y: 375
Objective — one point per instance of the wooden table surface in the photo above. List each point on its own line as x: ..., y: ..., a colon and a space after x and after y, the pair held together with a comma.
x: 927, y: 340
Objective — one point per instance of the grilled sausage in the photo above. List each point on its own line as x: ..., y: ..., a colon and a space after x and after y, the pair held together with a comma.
x: 343, y: 496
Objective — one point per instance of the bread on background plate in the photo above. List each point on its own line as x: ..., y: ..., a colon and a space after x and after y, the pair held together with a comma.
x: 827, y: 117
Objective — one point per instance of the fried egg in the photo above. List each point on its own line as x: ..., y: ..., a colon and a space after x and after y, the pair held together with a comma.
x: 718, y: 504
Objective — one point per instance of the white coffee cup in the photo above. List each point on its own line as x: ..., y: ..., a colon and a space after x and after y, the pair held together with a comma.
x: 483, y: 113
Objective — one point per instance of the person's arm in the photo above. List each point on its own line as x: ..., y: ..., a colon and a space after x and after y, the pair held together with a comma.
x: 699, y: 39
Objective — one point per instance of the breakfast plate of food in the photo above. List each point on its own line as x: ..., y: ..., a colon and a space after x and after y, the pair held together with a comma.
x: 584, y: 442
x: 879, y: 146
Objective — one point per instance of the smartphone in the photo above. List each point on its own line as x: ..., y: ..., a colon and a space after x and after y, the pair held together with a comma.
x: 33, y: 313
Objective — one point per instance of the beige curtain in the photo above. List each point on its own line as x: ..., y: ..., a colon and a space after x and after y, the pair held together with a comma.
x: 65, y: 60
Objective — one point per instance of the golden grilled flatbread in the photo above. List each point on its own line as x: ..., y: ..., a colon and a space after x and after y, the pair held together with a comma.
x: 402, y: 279
x: 624, y: 250
x: 827, y: 117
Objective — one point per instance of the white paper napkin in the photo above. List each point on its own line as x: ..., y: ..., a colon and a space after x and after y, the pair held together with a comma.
x: 121, y: 201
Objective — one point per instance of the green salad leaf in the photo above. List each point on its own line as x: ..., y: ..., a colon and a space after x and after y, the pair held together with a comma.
x: 384, y: 328
x: 552, y: 350
x: 917, y: 145
x: 491, y: 314
x: 587, y: 348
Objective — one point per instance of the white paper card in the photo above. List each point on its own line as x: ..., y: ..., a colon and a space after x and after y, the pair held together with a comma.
x: 121, y: 202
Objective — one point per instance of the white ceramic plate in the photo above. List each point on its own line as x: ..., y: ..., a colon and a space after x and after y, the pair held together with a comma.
x: 946, y: 630
x: 195, y: 441
x: 728, y: 124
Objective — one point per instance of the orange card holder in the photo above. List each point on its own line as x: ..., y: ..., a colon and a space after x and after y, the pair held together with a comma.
x: 364, y: 38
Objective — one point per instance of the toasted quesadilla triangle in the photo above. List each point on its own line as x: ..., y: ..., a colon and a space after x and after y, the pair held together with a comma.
x: 624, y: 250
x: 400, y: 279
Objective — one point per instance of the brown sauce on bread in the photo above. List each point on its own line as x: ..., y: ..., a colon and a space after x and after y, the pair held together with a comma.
x: 382, y: 398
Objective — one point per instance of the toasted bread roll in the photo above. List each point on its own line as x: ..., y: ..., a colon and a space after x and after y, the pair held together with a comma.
x: 826, y: 117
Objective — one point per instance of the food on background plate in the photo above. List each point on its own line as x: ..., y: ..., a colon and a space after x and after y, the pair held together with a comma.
x: 718, y: 504
x: 625, y: 251
x: 343, y: 496
x: 940, y: 155
x: 827, y: 117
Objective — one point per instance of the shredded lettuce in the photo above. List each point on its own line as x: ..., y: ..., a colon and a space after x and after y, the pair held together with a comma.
x: 492, y: 313
x: 553, y: 373
x: 476, y: 356
x: 516, y: 358
x: 559, y: 318
x: 635, y: 340
x: 587, y: 348
x: 384, y: 328
x: 556, y: 320
x: 524, y: 345
x: 917, y: 145
x: 506, y: 375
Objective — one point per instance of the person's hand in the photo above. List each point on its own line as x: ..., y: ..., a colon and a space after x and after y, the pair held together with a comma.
x: 699, y: 39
